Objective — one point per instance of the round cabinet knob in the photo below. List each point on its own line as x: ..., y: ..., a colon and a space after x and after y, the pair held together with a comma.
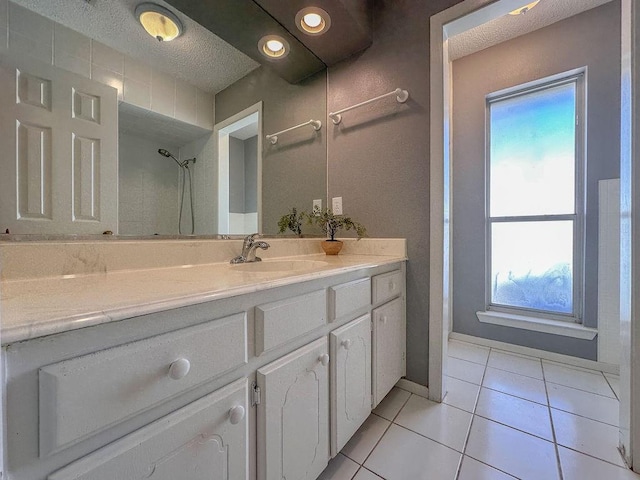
x: 347, y: 344
x: 383, y: 319
x: 324, y: 359
x: 392, y: 285
x: 179, y: 369
x: 236, y: 414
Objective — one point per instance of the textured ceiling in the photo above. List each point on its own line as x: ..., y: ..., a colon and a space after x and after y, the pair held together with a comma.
x: 509, y: 26
x: 198, y: 56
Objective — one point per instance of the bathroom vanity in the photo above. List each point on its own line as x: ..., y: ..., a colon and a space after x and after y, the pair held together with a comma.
x: 197, y: 370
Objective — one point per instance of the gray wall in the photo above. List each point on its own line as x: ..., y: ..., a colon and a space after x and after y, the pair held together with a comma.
x: 590, y: 39
x: 379, y: 156
x: 294, y: 172
x: 243, y: 169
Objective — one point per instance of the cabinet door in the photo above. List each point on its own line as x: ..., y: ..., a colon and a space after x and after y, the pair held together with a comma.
x: 350, y: 380
x: 293, y: 416
x: 207, y: 439
x: 389, y: 339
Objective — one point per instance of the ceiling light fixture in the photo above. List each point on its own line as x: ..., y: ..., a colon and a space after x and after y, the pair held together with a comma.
x: 524, y: 9
x: 313, y: 21
x: 273, y: 46
x: 158, y: 21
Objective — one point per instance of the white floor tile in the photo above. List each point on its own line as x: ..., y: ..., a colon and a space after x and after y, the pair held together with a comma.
x: 514, y: 384
x: 519, y: 454
x: 464, y: 370
x: 530, y: 417
x: 587, y: 380
x: 363, y: 441
x: 577, y: 466
x: 391, y: 404
x: 339, y: 468
x: 474, y: 470
x: 511, y: 362
x: 364, y: 474
x: 405, y: 455
x: 586, y: 404
x: 614, y: 383
x: 440, y: 422
x: 468, y: 352
x: 461, y: 394
x: 587, y: 436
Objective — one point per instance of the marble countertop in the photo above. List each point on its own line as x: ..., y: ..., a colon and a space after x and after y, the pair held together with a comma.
x: 36, y: 307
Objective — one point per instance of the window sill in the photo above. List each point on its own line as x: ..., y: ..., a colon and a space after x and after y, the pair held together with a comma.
x: 554, y: 327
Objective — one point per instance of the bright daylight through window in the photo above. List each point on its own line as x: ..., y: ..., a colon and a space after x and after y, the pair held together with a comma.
x: 534, y: 204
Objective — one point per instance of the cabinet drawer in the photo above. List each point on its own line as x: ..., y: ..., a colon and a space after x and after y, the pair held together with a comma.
x: 387, y: 286
x: 206, y: 439
x: 282, y: 321
x: 84, y: 395
x: 349, y: 297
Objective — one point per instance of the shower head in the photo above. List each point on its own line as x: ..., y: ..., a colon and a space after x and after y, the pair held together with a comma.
x: 166, y: 153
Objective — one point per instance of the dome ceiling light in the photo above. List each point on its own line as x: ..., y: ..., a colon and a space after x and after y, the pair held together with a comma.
x: 524, y: 9
x: 273, y: 47
x: 159, y: 22
x: 313, y: 21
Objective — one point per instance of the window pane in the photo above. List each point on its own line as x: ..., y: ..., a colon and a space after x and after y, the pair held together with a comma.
x: 532, y: 153
x: 531, y: 265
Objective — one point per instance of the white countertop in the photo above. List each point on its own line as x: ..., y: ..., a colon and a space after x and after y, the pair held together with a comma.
x: 36, y: 307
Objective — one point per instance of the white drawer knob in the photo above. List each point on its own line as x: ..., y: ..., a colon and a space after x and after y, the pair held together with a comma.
x: 383, y: 319
x: 236, y: 414
x: 392, y: 285
x: 346, y: 344
x: 179, y: 369
x: 324, y: 359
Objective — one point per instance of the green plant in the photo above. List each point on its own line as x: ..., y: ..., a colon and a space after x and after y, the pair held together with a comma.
x: 292, y: 221
x: 330, y: 223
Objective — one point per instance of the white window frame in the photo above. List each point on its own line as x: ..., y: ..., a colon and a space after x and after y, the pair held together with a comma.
x: 579, y: 78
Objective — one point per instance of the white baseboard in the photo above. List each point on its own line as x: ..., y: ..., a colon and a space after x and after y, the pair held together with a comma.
x: 534, y: 352
x: 413, y: 387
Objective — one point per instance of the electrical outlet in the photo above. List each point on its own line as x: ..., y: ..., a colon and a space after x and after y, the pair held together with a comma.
x: 317, y: 205
x: 336, y: 205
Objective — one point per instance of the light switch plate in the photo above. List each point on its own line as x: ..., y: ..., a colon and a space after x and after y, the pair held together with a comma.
x: 336, y: 205
x: 317, y: 205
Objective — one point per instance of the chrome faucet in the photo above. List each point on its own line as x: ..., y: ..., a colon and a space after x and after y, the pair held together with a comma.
x: 249, y: 247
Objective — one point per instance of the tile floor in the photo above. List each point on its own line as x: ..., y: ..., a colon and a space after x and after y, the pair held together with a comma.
x: 505, y: 416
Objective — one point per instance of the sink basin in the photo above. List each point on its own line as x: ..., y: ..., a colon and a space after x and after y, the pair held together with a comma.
x: 281, y: 266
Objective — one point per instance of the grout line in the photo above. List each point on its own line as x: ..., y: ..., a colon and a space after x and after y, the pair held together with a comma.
x: 583, y: 390
x: 610, y: 386
x: 492, y: 466
x: 553, y: 428
x: 583, y: 416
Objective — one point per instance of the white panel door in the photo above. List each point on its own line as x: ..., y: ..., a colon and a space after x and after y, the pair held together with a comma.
x: 59, y: 161
x: 389, y: 346
x: 208, y: 439
x: 350, y: 347
x: 293, y: 416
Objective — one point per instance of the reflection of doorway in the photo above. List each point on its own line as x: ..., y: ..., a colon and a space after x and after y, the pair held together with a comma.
x: 240, y: 172
x: 465, y: 16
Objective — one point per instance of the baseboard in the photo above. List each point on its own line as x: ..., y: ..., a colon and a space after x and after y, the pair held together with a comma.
x: 534, y: 352
x: 413, y: 387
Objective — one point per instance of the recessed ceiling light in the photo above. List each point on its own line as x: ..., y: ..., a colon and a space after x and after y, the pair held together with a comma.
x: 524, y: 9
x: 313, y: 21
x: 273, y: 46
x: 158, y: 21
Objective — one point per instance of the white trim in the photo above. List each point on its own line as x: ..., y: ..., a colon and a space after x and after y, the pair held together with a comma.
x: 413, y: 387
x: 543, y: 354
x: 523, y: 322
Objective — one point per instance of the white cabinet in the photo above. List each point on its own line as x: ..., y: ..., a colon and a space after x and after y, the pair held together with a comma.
x: 350, y: 347
x: 293, y: 415
x: 389, y: 347
x: 207, y: 439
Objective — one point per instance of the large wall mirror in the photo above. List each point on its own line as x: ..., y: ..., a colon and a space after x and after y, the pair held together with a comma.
x: 167, y: 107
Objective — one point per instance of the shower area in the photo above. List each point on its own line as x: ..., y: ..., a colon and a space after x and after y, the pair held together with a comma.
x: 162, y: 171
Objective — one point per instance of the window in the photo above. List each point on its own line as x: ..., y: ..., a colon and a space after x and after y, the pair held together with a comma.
x: 535, y: 195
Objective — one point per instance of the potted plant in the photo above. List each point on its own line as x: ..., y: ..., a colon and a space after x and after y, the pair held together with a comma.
x: 292, y: 221
x: 330, y: 224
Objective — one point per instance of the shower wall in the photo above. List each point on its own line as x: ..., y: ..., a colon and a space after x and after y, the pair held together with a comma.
x: 148, y: 188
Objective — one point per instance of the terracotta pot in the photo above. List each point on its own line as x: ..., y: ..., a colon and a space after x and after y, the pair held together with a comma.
x: 331, y: 247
